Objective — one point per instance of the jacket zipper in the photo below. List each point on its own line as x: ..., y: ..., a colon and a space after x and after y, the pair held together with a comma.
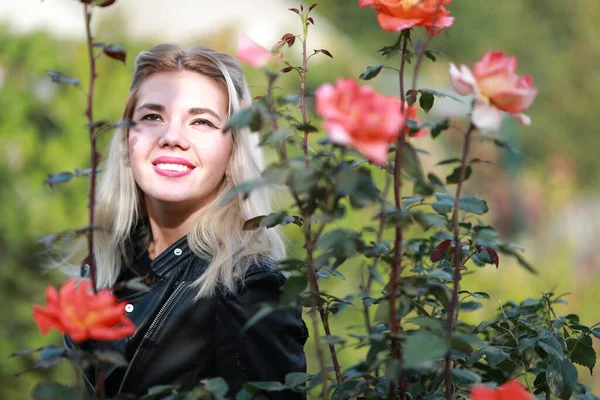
x: 149, y: 332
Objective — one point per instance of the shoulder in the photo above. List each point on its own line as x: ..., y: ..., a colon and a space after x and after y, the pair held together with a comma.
x: 262, y: 282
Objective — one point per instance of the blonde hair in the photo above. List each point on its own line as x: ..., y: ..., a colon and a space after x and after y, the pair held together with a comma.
x: 217, y: 234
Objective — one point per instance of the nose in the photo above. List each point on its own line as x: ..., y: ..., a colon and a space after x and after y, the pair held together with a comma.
x: 174, y: 136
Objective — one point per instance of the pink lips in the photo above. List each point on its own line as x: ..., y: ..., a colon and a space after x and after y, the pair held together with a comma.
x: 172, y: 160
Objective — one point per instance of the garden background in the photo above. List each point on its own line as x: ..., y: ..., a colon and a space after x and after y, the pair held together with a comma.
x: 545, y: 197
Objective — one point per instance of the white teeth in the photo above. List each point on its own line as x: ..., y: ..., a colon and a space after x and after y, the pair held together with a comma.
x: 173, y: 167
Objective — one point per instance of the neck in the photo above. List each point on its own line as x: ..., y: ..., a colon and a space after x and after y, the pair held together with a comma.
x: 169, y: 223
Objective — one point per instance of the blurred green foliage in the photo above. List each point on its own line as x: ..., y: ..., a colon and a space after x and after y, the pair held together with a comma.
x: 42, y: 131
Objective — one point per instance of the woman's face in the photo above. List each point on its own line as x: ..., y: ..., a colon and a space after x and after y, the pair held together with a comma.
x: 177, y: 150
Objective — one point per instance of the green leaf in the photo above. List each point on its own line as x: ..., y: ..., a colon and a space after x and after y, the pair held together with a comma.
x: 427, y: 323
x: 526, y: 343
x: 426, y: 101
x: 112, y: 357
x: 116, y: 52
x: 306, y: 128
x: 292, y: 288
x: 440, y: 274
x: 438, y: 127
x: 561, y: 376
x: 61, y: 177
x: 442, y: 207
x: 302, y: 179
x: 295, y: 379
x: 449, y: 161
x: 550, y: 345
x: 265, y: 310
x: 582, y: 352
x: 464, y: 376
x: 409, y: 200
x: 411, y: 96
x: 430, y: 55
x: 244, y: 189
x: 510, y: 250
x: 332, y: 340
x: 495, y: 355
x: 473, y: 205
x: 241, y: 119
x: 467, y: 306
x: 371, y: 72
x: 55, y: 391
x: 217, y: 386
x: 455, y: 175
x: 428, y: 220
x: 253, y: 223
x: 422, y: 349
x: 277, y: 137
x: 57, y: 77
x: 411, y: 163
x: 268, y: 386
x: 345, y: 181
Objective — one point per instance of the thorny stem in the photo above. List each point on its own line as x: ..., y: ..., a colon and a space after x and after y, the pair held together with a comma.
x: 94, y: 156
x: 397, y: 259
x: 302, y: 95
x: 310, y: 241
x: 271, y: 107
x: 452, y: 312
x: 425, y: 45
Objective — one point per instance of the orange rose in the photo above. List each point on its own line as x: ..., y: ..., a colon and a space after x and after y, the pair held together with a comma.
x: 396, y: 15
x: 496, y: 87
x: 82, y: 314
x: 359, y: 117
x: 512, y: 390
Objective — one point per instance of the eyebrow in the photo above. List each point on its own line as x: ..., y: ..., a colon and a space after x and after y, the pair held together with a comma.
x: 192, y: 111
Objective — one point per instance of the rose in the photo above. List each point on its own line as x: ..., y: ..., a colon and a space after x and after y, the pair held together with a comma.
x: 251, y: 53
x: 496, y: 87
x: 396, y: 15
x: 359, y: 117
x: 82, y: 314
x: 512, y: 390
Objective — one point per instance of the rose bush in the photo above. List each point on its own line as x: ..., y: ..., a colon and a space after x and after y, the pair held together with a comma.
x: 412, y: 254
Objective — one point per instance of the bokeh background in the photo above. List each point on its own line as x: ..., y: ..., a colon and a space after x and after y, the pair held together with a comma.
x: 544, y: 197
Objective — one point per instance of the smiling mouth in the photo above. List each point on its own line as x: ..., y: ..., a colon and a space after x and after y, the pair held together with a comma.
x: 172, y: 167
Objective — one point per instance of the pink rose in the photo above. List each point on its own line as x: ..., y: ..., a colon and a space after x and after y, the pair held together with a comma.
x: 251, y: 53
x: 396, y: 15
x: 359, y: 117
x: 496, y: 87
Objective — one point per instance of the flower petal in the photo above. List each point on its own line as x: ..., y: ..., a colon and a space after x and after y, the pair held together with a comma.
x: 523, y: 119
x: 393, y: 24
x: 377, y: 152
x: 462, y: 81
x: 486, y: 117
x: 251, y: 53
x: 480, y: 392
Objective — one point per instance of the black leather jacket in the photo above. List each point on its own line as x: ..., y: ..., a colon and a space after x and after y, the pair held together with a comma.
x: 179, y: 341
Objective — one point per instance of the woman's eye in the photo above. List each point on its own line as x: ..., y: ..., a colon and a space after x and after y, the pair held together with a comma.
x: 204, y: 122
x: 151, y: 117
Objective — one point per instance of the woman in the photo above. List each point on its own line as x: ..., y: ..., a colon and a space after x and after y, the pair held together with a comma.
x: 162, y: 219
